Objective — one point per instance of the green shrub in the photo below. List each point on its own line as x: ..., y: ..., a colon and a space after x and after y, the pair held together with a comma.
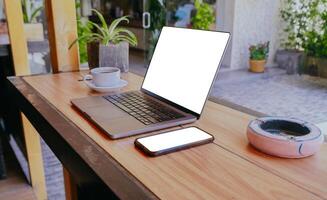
x: 158, y: 20
x: 204, y: 16
x: 300, y: 17
x: 83, y: 28
x: 259, y: 51
x: 316, y: 42
x: 305, y: 26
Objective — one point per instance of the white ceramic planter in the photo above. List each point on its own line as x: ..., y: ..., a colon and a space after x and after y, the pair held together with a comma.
x: 109, y: 56
x: 34, y: 32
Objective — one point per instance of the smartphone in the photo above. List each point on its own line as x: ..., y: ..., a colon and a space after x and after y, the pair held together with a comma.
x: 172, y: 141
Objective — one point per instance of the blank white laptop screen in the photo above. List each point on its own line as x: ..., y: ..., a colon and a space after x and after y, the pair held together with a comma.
x: 184, y: 65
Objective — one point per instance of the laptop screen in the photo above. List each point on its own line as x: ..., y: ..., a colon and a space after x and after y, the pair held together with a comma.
x: 184, y: 65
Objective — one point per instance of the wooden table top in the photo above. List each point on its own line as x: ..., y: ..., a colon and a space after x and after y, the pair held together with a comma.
x: 229, y: 168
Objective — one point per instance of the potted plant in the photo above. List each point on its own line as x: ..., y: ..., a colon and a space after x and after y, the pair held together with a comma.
x: 258, y: 57
x: 33, y: 29
x: 203, y: 16
x: 109, y: 46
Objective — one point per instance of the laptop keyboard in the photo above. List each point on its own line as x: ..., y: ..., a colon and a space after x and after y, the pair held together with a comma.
x: 143, y: 108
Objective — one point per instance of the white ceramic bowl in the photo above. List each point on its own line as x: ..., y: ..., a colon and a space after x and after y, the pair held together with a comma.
x: 285, y: 137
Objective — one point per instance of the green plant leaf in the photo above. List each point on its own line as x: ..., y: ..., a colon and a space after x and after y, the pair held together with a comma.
x: 128, y: 33
x: 87, y: 38
x: 105, y: 35
x: 115, y: 23
x: 25, y: 15
x: 102, y: 20
x: 124, y: 38
x: 204, y: 16
x: 259, y: 51
x: 102, y: 30
x: 35, y: 13
x: 77, y: 40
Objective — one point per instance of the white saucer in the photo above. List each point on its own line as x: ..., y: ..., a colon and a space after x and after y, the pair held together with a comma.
x: 113, y: 88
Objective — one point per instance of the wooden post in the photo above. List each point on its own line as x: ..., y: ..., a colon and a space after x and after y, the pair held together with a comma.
x: 70, y: 186
x: 62, y: 29
x: 20, y: 58
x: 17, y: 37
x: 35, y: 161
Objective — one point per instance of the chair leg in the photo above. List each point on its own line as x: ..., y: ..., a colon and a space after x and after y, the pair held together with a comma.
x: 70, y: 186
x: 3, y: 173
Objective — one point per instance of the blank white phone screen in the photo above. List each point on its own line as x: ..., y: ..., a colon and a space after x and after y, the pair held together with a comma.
x: 172, y: 139
x: 184, y: 65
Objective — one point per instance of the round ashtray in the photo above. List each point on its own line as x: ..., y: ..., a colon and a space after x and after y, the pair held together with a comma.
x: 284, y: 137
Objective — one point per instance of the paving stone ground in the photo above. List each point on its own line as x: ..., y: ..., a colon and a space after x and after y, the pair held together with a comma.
x: 53, y: 174
x: 303, y: 97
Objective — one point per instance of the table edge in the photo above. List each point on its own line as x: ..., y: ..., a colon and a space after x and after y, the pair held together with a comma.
x: 37, y: 109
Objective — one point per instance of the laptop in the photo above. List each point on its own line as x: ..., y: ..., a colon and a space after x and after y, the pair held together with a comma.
x: 174, y: 91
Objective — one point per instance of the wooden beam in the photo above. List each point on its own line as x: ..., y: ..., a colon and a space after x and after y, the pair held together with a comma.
x: 17, y: 37
x: 62, y: 30
x: 21, y: 65
x: 34, y: 157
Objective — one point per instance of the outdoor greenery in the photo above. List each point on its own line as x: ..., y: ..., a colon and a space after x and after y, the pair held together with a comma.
x: 158, y: 15
x: 83, y: 28
x: 158, y: 20
x: 204, y: 16
x: 105, y: 34
x: 316, y: 43
x: 30, y: 11
x: 305, y: 26
x: 259, y: 51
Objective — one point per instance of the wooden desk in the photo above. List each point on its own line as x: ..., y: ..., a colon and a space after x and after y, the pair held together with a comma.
x: 227, y: 169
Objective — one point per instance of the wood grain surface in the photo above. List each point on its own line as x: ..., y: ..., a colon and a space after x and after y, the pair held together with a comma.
x: 229, y: 128
x: 17, y: 36
x: 226, y: 169
x: 62, y: 28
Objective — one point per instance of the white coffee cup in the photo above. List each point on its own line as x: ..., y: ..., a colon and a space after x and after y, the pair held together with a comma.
x: 104, y: 76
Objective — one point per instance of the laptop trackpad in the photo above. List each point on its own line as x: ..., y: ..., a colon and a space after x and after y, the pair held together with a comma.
x: 112, y: 119
x: 105, y: 112
x: 121, y: 126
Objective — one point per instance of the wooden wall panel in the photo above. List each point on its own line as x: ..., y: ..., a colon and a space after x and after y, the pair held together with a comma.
x: 62, y: 28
